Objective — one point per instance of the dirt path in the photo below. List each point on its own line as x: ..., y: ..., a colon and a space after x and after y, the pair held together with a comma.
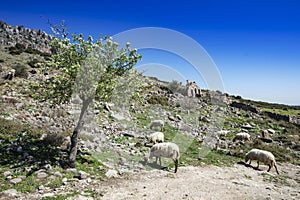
x: 205, y: 182
x: 208, y: 182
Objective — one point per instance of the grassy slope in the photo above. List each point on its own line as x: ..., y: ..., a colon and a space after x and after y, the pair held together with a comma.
x: 14, y: 133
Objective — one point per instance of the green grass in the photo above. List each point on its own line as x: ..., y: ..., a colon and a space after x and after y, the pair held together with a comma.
x: 286, y: 112
x: 62, y: 196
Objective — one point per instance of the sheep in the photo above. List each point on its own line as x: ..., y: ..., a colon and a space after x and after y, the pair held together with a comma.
x: 242, y: 136
x: 222, y: 132
x: 261, y: 156
x: 167, y: 150
x: 157, y: 123
x: 157, y: 137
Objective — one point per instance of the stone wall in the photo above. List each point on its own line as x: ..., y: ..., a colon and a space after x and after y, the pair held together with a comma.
x: 244, y: 106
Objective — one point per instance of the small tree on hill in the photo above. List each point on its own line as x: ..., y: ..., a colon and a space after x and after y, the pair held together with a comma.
x: 85, y: 68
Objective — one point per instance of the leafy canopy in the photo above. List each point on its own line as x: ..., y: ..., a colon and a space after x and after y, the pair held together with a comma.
x: 87, y: 68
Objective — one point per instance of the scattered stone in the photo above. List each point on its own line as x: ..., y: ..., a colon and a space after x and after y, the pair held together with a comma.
x: 122, y: 161
x: 247, y: 126
x: 111, y: 174
x: 271, y: 131
x: 81, y: 175
x: 6, y: 173
x: 265, y: 134
x: 15, y: 180
x: 64, y: 180
x: 171, y: 118
x: 81, y: 197
x: 71, y: 170
x: 129, y: 134
x: 10, y: 193
x: 47, y: 167
x: 51, y: 194
x: 42, y: 175
x: 41, y: 187
x: 118, y: 116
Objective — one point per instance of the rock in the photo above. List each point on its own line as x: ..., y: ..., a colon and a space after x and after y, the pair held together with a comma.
x: 271, y: 131
x: 15, y: 180
x: 41, y: 187
x: 122, y: 161
x: 111, y: 174
x: 129, y: 134
x: 51, y: 194
x: 178, y: 117
x: 10, y: 193
x: 266, y: 140
x: 171, y: 118
x: 81, y: 175
x: 74, y: 112
x: 42, y: 175
x: 81, y: 197
x: 58, y: 174
x: 47, y: 167
x: 247, y: 126
x: 6, y: 173
x: 71, y: 170
x: 118, y: 116
x: 24, y: 37
x: 265, y: 134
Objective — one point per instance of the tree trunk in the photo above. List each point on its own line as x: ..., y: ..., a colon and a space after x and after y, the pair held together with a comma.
x: 73, y: 149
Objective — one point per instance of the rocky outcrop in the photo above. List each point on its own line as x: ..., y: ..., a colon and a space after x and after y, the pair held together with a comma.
x: 35, y: 39
x: 244, y: 106
x: 277, y: 116
x: 295, y: 119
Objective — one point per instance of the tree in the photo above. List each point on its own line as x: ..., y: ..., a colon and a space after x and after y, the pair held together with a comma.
x: 84, y: 68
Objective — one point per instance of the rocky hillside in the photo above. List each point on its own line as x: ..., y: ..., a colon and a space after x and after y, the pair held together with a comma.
x: 10, y: 36
x: 35, y: 136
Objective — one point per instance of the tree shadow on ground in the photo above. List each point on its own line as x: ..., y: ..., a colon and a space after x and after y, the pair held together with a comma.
x: 27, y: 152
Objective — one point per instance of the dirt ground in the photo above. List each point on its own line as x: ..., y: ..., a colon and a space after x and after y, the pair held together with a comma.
x: 207, y: 182
x: 192, y: 183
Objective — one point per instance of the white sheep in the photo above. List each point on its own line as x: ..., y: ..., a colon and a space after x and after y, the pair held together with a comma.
x: 222, y: 132
x: 157, y: 123
x: 167, y: 150
x: 241, y: 136
x: 261, y: 156
x: 157, y: 137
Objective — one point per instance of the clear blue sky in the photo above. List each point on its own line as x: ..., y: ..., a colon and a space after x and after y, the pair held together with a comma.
x: 254, y: 44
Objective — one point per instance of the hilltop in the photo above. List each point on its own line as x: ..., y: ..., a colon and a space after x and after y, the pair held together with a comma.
x: 34, y: 139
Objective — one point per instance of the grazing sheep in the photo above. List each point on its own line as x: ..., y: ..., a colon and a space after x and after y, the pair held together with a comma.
x: 222, y: 132
x: 241, y: 136
x: 157, y: 123
x: 261, y: 156
x: 157, y: 137
x: 167, y: 150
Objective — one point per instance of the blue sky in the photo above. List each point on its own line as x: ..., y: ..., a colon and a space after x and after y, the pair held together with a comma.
x: 255, y: 45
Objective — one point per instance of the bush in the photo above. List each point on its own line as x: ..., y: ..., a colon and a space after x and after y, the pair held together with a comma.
x: 176, y: 87
x: 158, y: 99
x: 21, y: 71
x: 32, y: 63
x: 32, y: 51
x: 17, y: 49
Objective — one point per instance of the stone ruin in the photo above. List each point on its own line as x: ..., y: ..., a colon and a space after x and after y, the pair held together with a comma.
x: 192, y: 89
